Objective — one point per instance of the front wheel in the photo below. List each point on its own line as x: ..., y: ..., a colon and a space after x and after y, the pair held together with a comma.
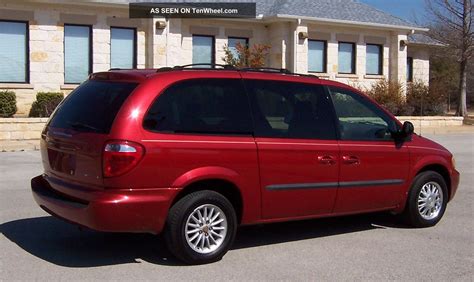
x: 201, y: 227
x: 427, y: 200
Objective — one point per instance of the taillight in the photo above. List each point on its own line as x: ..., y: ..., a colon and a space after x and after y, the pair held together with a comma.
x: 120, y: 157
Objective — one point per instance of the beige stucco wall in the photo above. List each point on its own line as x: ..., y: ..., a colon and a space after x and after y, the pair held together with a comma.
x: 361, y: 37
x: 174, y: 44
x: 421, y: 63
x: 280, y: 37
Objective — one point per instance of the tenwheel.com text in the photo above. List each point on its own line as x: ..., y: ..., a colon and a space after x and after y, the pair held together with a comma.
x: 193, y: 10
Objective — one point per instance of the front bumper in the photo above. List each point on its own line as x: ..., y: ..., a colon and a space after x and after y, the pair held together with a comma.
x: 111, y: 210
x: 454, y: 183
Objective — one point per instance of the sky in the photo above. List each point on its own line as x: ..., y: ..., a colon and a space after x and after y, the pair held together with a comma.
x: 405, y: 9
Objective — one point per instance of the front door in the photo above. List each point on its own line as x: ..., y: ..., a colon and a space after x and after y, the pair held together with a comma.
x: 297, y: 148
x: 374, y: 168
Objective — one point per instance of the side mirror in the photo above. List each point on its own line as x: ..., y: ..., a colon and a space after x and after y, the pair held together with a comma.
x: 407, y: 129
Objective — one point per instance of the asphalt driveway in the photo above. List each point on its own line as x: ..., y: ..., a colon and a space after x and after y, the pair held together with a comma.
x: 34, y: 245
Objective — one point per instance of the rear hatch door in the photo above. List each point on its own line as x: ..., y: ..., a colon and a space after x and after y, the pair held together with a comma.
x: 74, y: 138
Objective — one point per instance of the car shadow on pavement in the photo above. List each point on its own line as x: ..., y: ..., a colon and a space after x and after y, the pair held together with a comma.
x: 66, y: 245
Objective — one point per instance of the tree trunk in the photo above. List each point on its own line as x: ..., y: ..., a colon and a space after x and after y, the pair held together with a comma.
x: 462, y: 108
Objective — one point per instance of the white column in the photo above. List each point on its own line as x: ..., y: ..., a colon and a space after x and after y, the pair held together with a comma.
x: 301, y: 47
x: 398, y: 59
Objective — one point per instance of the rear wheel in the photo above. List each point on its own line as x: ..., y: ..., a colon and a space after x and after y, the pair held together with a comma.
x: 427, y: 200
x: 201, y: 227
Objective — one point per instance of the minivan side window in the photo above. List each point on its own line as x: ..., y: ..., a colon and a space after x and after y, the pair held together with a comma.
x: 360, y: 119
x: 201, y: 106
x: 290, y: 110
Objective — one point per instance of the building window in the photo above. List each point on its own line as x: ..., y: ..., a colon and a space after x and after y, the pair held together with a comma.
x: 77, y: 53
x: 203, y: 49
x: 374, y: 59
x: 346, y: 58
x: 409, y: 69
x: 232, y: 44
x: 317, y: 55
x: 123, y: 48
x: 14, y: 52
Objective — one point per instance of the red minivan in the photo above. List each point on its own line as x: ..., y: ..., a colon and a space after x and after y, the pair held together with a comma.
x: 196, y: 152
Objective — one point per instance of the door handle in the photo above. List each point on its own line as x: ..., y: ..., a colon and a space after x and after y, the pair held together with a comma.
x: 327, y: 160
x: 350, y: 160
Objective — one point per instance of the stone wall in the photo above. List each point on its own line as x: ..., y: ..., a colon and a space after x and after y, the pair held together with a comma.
x: 421, y: 63
x: 432, y: 121
x: 20, y: 133
x: 280, y: 37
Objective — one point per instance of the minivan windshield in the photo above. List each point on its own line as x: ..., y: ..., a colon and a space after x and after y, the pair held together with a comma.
x: 92, y: 107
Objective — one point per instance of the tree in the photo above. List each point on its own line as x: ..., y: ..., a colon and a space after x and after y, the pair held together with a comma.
x: 453, y: 26
x: 246, y: 57
x: 444, y: 74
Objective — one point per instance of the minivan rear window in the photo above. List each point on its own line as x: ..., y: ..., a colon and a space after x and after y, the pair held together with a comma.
x: 92, y: 107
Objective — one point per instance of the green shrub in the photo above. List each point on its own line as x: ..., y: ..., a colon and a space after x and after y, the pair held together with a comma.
x: 426, y: 100
x: 7, y: 103
x: 45, y: 103
x: 420, y: 99
x: 389, y: 94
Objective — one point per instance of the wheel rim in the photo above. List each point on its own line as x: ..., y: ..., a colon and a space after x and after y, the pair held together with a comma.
x: 430, y: 200
x: 206, y: 228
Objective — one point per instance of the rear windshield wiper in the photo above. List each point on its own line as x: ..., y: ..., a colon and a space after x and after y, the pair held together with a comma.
x: 83, y: 127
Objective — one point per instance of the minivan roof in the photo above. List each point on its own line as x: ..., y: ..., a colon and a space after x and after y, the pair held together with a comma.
x: 140, y: 75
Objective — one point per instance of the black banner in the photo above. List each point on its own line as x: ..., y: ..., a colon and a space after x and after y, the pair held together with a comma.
x: 193, y: 10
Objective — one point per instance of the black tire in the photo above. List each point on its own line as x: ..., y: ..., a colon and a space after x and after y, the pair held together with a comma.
x: 174, y: 232
x: 411, y: 214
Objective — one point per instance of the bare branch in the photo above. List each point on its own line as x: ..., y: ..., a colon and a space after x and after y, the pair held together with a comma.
x: 453, y: 10
x: 442, y: 17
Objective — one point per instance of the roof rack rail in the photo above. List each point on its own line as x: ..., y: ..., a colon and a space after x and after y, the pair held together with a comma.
x: 204, y: 66
x: 264, y: 69
x: 277, y: 70
x: 163, y: 69
x: 198, y: 66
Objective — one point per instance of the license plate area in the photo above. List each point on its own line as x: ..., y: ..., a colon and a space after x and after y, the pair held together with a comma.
x: 62, y: 162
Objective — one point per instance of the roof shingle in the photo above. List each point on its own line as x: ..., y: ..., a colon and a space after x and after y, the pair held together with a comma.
x: 420, y: 38
x: 348, y: 10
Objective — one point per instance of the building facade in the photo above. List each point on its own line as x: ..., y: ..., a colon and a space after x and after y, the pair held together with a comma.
x: 54, y: 45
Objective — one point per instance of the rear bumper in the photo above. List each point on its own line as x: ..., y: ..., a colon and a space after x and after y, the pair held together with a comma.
x: 133, y: 210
